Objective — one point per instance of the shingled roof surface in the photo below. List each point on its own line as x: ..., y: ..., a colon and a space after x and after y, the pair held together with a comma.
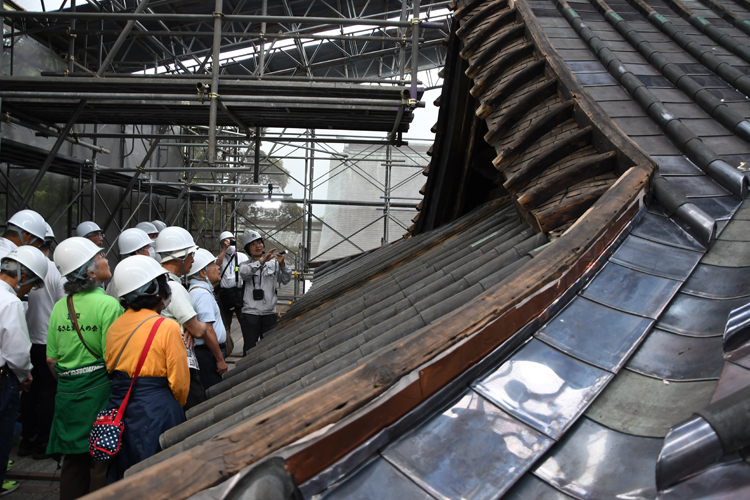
x: 581, y: 408
x: 410, y: 284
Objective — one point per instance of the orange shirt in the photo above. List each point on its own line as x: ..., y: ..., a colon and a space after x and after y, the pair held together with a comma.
x: 166, y: 358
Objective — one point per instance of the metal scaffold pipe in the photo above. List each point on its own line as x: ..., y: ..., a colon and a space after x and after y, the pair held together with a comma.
x: 106, y: 96
x: 214, y: 95
x: 202, y: 18
x: 46, y: 132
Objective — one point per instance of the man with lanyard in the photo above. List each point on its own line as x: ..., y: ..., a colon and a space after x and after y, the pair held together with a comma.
x: 230, y: 286
x: 24, y: 228
x: 203, y: 276
x: 38, y: 404
x: 177, y: 249
x: 20, y: 270
x: 261, y: 273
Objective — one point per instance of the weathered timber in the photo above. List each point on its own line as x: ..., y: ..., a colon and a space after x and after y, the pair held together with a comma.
x: 569, y: 210
x: 501, y: 21
x: 461, y: 11
x: 553, y: 183
x: 544, y: 124
x: 514, y: 32
x: 480, y: 16
x: 519, y: 109
x: 492, y: 318
x: 546, y: 158
x: 514, y: 83
x: 513, y: 57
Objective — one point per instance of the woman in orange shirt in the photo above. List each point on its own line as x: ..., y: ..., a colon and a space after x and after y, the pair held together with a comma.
x: 161, y: 389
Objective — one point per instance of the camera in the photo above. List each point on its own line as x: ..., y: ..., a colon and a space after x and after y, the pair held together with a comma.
x: 258, y: 294
x: 232, y: 241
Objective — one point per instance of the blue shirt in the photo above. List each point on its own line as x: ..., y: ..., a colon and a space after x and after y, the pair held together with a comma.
x: 207, y: 309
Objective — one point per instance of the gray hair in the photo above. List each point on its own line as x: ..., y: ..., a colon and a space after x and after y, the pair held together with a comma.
x: 78, y: 284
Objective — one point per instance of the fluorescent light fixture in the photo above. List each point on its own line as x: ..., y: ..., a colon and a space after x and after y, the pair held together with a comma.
x: 268, y: 204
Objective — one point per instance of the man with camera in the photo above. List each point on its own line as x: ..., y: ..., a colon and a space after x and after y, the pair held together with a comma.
x: 229, y: 290
x: 260, y: 273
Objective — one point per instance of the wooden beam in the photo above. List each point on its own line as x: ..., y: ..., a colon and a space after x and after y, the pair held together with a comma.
x: 551, y: 184
x: 520, y: 109
x: 478, y: 17
x: 569, y: 210
x: 510, y: 59
x: 547, y: 158
x: 514, y: 83
x: 556, y: 115
x: 511, y: 34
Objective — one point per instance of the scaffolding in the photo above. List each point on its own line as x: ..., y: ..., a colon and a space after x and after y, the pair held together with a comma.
x: 160, y: 109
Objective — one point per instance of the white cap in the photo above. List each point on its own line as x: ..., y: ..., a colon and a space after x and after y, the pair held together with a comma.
x: 159, y: 225
x: 249, y: 236
x: 73, y: 253
x: 132, y: 239
x: 174, y: 243
x: 147, y: 228
x: 29, y: 221
x: 32, y: 258
x: 86, y: 228
x: 225, y: 235
x: 135, y: 272
x: 202, y: 258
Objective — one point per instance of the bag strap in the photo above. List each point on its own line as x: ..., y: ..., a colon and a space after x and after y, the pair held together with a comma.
x: 128, y: 340
x: 138, y: 367
x: 229, y: 262
x: 74, y: 320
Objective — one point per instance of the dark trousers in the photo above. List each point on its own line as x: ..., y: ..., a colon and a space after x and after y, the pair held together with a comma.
x: 207, y: 362
x: 8, y: 417
x: 81, y: 475
x: 230, y: 302
x: 253, y: 328
x: 38, y: 405
x: 196, y: 394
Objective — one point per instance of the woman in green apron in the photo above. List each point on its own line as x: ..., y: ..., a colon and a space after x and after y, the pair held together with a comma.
x: 75, y: 351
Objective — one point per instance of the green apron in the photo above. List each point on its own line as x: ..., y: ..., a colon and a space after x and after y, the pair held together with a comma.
x: 81, y: 394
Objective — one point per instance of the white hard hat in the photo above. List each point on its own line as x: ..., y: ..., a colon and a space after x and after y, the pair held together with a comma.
x: 202, y: 258
x: 249, y: 236
x: 225, y: 235
x: 135, y: 272
x: 174, y: 243
x: 32, y: 258
x: 132, y: 239
x: 159, y: 225
x: 73, y: 253
x: 147, y: 228
x: 86, y: 228
x: 29, y: 221
x: 49, y: 234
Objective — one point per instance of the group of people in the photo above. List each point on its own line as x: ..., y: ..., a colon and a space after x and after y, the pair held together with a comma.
x: 72, y: 333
